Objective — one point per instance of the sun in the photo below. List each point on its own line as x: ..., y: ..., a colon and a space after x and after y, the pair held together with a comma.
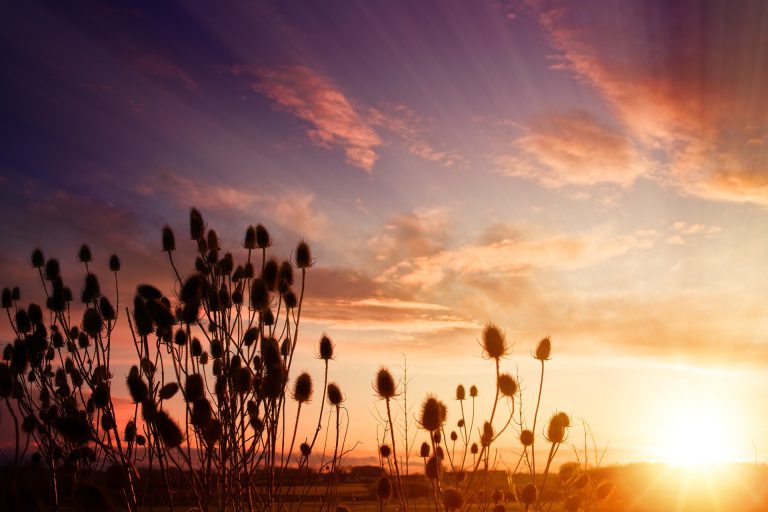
x: 698, y: 433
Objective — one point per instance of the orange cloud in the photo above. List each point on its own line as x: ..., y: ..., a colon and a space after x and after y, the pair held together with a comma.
x: 573, y: 149
x: 691, y: 102
x: 315, y: 99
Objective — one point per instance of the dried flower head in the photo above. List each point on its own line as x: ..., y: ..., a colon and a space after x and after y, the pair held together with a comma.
x: 302, y: 389
x: 494, y: 342
x: 136, y: 385
x: 84, y: 254
x: 461, y: 393
x: 196, y: 225
x: 543, y: 349
x: 383, y: 488
x: 194, y: 388
x: 259, y: 295
x: 556, y: 429
x: 507, y: 385
x: 305, y: 450
x: 528, y: 495
x: 169, y: 431
x: 572, y: 504
x: 114, y: 263
x: 474, y: 449
x: 486, y: 438
x: 303, y: 255
x: 473, y: 391
x: 385, y: 451
x: 334, y: 394
x: 604, y: 490
x: 249, y: 241
x: 453, y: 499
x: 263, y: 240
x: 385, y: 384
x: 37, y: 259
x: 433, y: 414
x: 167, y: 391
x: 432, y: 469
x: 424, y: 451
x: 169, y: 241
x: 326, y: 348
x: 526, y: 437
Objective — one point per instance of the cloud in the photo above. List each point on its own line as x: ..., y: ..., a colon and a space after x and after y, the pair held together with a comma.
x: 687, y: 99
x: 334, y: 121
x: 573, y: 149
x: 422, y: 232
x: 291, y: 210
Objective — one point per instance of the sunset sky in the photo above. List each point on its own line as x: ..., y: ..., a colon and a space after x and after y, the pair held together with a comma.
x: 595, y: 171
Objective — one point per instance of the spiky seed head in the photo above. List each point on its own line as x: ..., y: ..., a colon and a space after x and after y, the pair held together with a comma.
x: 212, y: 240
x: 424, y: 451
x: 556, y: 428
x: 604, y: 490
x: 494, y: 342
x: 290, y: 299
x: 305, y: 450
x: 7, y: 301
x: 460, y: 423
x: 201, y: 413
x: 474, y: 449
x: 385, y: 451
x: 52, y: 269
x: 383, y: 488
x: 454, y: 436
x: 439, y: 452
x: 196, y: 224
x: 432, y: 414
x: 195, y: 348
x: 130, y: 431
x: 16, y: 294
x: 217, y: 348
x: 248, y: 272
x: 194, y: 388
x: 326, y: 348
x: 84, y: 254
x: 100, y: 396
x: 285, y: 347
x: 37, y: 259
x: 385, y: 384
x: 507, y: 385
x: 285, y: 275
x: 92, y: 322
x: 168, y: 239
x: 526, y: 437
x: 582, y: 481
x: 106, y: 309
x: 303, y: 255
x: 259, y: 295
x: 249, y: 241
x: 167, y: 391
x: 141, y: 440
x: 263, y: 240
x: 567, y: 470
x: 169, y: 431
x: 242, y: 380
x: 334, y: 394
x: 461, y: 393
x: 564, y: 419
x: 114, y: 263
x: 91, y: 289
x: 136, y: 385
x: 180, y: 337
x: 487, y: 436
x: 572, y: 504
x: 432, y: 469
x: 453, y: 499
x: 473, y: 391
x: 543, y: 349
x: 302, y: 389
x: 437, y: 437
x: 528, y: 495
x: 269, y: 274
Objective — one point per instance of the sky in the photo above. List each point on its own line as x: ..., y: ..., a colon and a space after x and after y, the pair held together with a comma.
x: 592, y: 171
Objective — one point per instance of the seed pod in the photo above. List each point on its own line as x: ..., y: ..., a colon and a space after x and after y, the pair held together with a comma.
x: 290, y: 299
x: 604, y: 490
x: 242, y: 380
x: 263, y: 240
x: 114, y: 263
x: 543, y: 349
x: 494, y: 343
x: 196, y: 225
x: 507, y: 385
x: 461, y: 393
x: 168, y: 239
x: 167, y: 391
x: 528, y: 495
x: 474, y: 449
x: 92, y: 322
x: 302, y: 390
x: 106, y: 309
x: 259, y: 295
x: 305, y: 450
x: 454, y: 436
x: 334, y: 394
x: 385, y: 384
x: 269, y: 274
x: 250, y: 336
x: 326, y: 348
x: 383, y: 488
x: 249, y: 242
x: 432, y: 414
x: 556, y: 429
x: 180, y: 338
x: 15, y: 294
x: 84, y: 254
x: 248, y: 271
x: 424, y: 451
x: 201, y: 413
x: 453, y: 499
x: 52, y: 269
x: 487, y: 436
x: 526, y: 438
x: 141, y: 320
x: 286, y: 276
x: 37, y: 259
x: 7, y: 301
x: 195, y: 348
x: 136, y: 386
x: 169, y: 431
x: 194, y: 388
x: 385, y: 451
x: 217, y: 348
x: 130, y: 431
x: 107, y: 421
x: 100, y: 396
x: 432, y: 469
x: 473, y: 391
x: 303, y: 255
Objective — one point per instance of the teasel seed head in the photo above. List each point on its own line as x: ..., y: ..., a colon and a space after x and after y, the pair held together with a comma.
x: 487, y: 436
x: 526, y: 437
x: 92, y: 322
x: 385, y: 384
x: 196, y: 225
x: 130, y: 431
x: 106, y: 309
x: 7, y: 301
x: 473, y: 391
x: 383, y: 488
x: 302, y: 389
x: 168, y: 239
x: 269, y: 274
x: 52, y: 269
x: 507, y: 385
x: 454, y: 436
x: 263, y: 240
x: 91, y: 289
x: 169, y: 431
x: 37, y: 259
x: 136, y: 385
x: 196, y: 348
x: 290, y: 299
x: 84, y: 254
x: 305, y: 450
x: 194, y: 388
x: 201, y: 413
x: 494, y: 342
x: 242, y: 380
x: 528, y: 495
x: 604, y: 490
x: 432, y: 469
x: 437, y: 436
x: 453, y: 499
x: 385, y: 451
x: 114, y: 263
x: 249, y: 241
x: 167, y: 391
x: 303, y: 255
x: 572, y: 504
x: 543, y: 349
x: 326, y: 348
x: 556, y: 429
x: 582, y: 481
x: 432, y: 414
x: 259, y: 295
x: 461, y: 393
x: 334, y: 394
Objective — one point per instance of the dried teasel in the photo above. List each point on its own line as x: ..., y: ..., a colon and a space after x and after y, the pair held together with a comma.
x: 168, y: 429
x: 526, y: 437
x: 383, y: 488
x: 168, y: 239
x: 604, y: 490
x: 433, y: 414
x: 473, y: 391
x: 543, y: 349
x: 263, y: 240
x: 167, y: 391
x: 432, y: 468
x: 302, y: 389
x: 325, y: 351
x: 452, y: 499
x: 196, y: 225
x: 385, y: 384
x: 259, y: 295
x: 37, y: 259
x: 194, y: 388
x: 84, y: 254
x: 528, y: 495
x: 424, y: 450
x: 114, y: 263
x: 201, y: 413
x: 494, y: 342
x: 507, y: 385
x: 305, y: 450
x: 461, y: 393
x: 269, y: 274
x: 385, y: 451
x: 303, y: 255
x: 334, y: 394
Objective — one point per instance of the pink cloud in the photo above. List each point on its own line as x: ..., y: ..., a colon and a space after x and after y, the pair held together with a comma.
x: 158, y: 66
x: 315, y: 98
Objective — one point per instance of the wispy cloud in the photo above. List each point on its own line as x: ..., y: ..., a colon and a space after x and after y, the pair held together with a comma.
x: 573, y: 149
x: 334, y: 120
x: 159, y: 66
